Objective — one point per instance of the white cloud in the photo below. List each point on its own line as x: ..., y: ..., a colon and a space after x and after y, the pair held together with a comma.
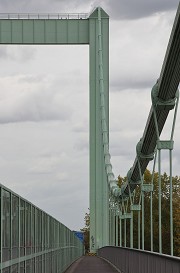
x: 137, y: 51
x: 17, y: 53
x: 50, y: 163
x: 118, y: 9
x: 128, y: 9
x: 81, y: 126
x: 29, y: 98
x: 82, y: 144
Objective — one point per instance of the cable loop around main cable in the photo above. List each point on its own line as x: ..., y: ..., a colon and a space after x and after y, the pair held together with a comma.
x: 161, y: 104
x: 141, y: 155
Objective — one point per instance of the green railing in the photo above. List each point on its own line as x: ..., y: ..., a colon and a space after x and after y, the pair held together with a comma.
x: 31, y: 240
x: 43, y: 16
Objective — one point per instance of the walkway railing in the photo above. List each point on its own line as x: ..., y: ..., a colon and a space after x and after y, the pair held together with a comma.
x: 33, y: 241
x: 136, y: 261
x: 18, y: 16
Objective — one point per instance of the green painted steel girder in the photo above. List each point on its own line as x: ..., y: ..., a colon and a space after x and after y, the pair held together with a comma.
x: 99, y: 192
x: 39, y: 31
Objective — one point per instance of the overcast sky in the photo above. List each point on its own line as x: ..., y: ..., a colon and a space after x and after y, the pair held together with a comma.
x: 44, y: 106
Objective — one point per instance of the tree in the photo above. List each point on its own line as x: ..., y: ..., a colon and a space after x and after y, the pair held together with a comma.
x: 86, y: 231
x: 165, y: 204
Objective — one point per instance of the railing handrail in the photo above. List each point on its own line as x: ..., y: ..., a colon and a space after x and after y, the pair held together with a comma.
x: 50, y: 16
x: 135, y: 260
x: 157, y: 254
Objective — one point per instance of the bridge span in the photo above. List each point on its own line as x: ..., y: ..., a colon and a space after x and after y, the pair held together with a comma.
x: 116, y: 259
x: 91, y: 264
x: 34, y: 242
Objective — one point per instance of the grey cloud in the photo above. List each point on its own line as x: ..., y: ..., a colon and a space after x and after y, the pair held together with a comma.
x: 21, y: 53
x: 120, y: 9
x: 120, y: 152
x: 3, y: 52
x: 17, y: 53
x: 117, y: 85
x: 33, y: 112
x: 117, y: 9
x: 24, y: 53
x: 28, y: 104
x: 50, y: 164
x: 32, y: 78
x: 124, y: 147
x: 23, y: 6
x: 82, y: 144
x: 81, y: 127
x: 42, y: 6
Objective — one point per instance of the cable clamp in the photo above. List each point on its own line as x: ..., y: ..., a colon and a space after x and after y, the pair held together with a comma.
x: 135, y: 207
x: 165, y: 144
x: 147, y: 187
x: 140, y: 155
x: 126, y: 216
x: 161, y: 104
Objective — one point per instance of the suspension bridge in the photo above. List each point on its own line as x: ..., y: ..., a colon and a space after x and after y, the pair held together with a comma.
x: 33, y: 241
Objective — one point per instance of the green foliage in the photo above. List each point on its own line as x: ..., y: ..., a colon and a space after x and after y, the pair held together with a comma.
x: 121, y: 180
x: 165, y: 203
x: 85, y: 229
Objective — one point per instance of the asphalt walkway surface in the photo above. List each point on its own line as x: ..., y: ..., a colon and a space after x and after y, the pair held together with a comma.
x: 91, y: 264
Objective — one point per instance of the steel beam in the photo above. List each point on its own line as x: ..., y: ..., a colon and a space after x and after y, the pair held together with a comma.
x: 44, y: 31
x: 99, y: 192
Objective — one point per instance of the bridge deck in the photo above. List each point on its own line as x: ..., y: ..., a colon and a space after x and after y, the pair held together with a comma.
x: 88, y: 264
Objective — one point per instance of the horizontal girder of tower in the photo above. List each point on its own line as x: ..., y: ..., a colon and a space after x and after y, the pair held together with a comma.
x: 44, y: 31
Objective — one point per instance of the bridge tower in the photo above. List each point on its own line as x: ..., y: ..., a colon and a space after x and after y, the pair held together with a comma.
x: 81, y: 29
x: 99, y: 191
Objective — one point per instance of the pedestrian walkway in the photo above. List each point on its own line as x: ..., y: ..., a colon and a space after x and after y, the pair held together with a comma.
x: 90, y: 264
